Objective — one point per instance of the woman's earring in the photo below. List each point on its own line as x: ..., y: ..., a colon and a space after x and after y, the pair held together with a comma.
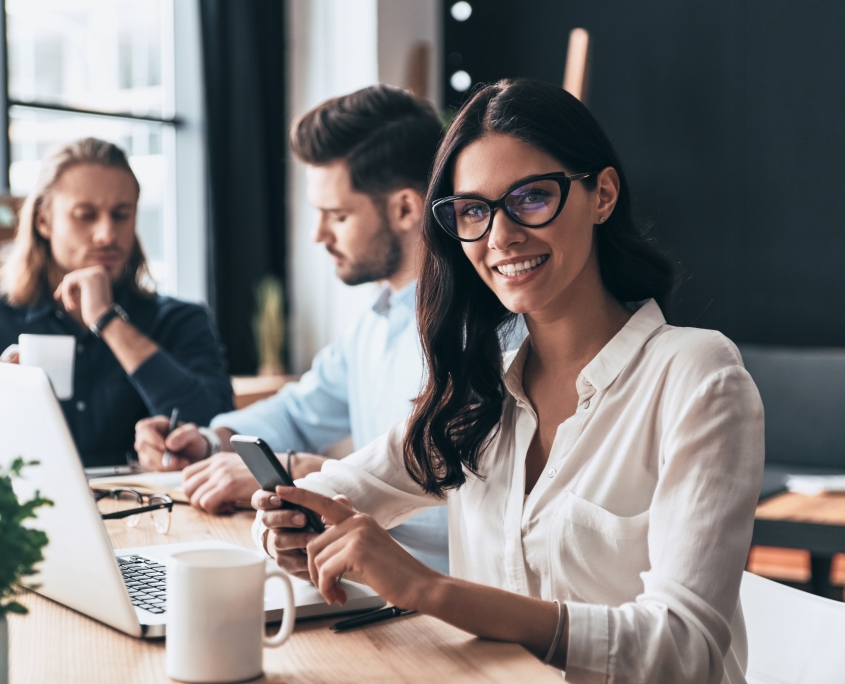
x: 603, y: 219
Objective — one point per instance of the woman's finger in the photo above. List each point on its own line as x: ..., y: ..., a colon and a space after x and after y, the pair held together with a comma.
x: 265, y: 501
x: 331, y: 563
x: 283, y: 518
x: 330, y: 543
x: 331, y: 510
x: 291, y: 540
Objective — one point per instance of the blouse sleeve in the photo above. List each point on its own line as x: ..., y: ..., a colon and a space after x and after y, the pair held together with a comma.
x: 374, y: 479
x: 700, y: 524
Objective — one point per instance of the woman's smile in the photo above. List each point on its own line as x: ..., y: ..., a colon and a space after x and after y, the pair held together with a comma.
x: 519, y: 270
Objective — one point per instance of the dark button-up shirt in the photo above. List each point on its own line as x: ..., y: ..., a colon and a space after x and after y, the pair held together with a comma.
x: 188, y: 371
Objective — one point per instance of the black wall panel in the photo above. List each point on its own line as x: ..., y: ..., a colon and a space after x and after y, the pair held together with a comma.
x: 730, y: 119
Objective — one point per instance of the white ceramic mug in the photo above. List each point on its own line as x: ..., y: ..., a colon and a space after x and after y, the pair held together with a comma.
x: 215, y: 615
x: 54, y: 353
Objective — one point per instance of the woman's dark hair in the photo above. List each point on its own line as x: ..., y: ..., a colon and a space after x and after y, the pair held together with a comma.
x: 386, y: 136
x: 460, y: 318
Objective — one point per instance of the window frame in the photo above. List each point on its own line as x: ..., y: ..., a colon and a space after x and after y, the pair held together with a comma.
x: 185, y: 236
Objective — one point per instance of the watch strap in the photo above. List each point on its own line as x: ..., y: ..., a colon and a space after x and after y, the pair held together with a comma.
x: 214, y: 444
x: 114, y: 311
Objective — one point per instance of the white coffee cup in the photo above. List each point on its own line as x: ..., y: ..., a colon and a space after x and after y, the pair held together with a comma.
x: 215, y: 615
x: 54, y: 353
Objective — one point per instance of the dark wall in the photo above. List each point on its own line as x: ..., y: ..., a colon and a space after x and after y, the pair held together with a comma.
x: 730, y: 119
x: 246, y: 144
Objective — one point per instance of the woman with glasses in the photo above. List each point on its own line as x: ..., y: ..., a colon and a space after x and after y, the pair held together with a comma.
x: 601, y: 481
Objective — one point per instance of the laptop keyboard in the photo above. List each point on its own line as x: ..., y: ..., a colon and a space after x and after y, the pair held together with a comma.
x: 145, y: 581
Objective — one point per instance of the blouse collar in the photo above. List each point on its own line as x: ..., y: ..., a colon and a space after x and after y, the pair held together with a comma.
x: 609, y: 362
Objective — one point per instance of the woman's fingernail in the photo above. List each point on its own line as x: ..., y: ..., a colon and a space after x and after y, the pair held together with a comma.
x: 298, y: 519
x: 275, y: 501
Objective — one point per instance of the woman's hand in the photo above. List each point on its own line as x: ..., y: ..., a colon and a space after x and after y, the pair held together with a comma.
x: 353, y: 543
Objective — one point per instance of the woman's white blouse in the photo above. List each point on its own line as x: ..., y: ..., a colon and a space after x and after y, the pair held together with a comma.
x: 641, y: 521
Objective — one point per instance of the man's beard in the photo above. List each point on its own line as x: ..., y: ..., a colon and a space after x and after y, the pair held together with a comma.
x: 384, y: 257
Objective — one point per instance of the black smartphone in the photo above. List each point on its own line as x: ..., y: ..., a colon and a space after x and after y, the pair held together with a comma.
x: 265, y: 468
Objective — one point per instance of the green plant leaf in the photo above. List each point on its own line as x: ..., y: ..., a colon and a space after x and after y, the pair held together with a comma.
x: 15, y: 607
x: 22, y: 545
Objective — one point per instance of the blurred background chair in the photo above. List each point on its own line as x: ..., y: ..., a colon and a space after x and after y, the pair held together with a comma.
x: 803, y: 392
x: 793, y: 637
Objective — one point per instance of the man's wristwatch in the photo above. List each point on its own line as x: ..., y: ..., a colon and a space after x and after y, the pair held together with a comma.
x: 214, y: 444
x: 114, y: 311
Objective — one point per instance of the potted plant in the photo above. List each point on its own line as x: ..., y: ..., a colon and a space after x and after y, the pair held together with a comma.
x: 20, y: 550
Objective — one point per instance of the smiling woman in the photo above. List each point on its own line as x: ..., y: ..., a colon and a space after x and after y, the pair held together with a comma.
x: 77, y: 268
x: 601, y: 482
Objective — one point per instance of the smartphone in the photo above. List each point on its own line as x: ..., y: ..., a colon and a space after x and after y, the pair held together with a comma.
x: 265, y: 468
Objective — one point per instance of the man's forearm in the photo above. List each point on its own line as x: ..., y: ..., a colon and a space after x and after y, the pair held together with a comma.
x: 130, y: 346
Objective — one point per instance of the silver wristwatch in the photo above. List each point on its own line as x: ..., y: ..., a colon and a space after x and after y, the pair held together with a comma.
x: 213, y: 440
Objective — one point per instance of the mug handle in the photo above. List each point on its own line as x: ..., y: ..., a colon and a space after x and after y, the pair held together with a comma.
x: 290, y: 609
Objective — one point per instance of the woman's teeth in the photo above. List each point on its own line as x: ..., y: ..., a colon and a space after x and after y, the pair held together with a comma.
x: 521, y: 267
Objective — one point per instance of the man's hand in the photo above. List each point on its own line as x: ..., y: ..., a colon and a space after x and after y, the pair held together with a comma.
x: 219, y: 483
x: 185, y: 444
x: 85, y: 294
x: 216, y: 484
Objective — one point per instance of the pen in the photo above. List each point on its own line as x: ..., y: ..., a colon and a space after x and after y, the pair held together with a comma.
x: 370, y: 618
x: 174, y: 419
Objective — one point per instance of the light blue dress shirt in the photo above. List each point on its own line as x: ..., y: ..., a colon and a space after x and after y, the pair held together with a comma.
x: 361, y: 385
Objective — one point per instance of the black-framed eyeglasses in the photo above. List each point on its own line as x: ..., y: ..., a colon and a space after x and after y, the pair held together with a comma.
x: 130, y: 505
x: 532, y: 202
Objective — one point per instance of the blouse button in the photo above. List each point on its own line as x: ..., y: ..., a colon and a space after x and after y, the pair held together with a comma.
x: 80, y: 405
x: 586, y: 404
x: 80, y: 348
x: 552, y: 472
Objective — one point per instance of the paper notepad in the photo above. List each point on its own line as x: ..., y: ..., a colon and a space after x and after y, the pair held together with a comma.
x: 815, y: 484
x: 169, y: 483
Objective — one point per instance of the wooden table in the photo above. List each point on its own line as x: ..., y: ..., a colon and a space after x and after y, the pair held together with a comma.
x: 251, y: 388
x: 55, y: 644
x: 796, y: 521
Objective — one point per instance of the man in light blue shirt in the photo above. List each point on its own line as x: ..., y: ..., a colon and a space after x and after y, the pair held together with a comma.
x: 368, y: 155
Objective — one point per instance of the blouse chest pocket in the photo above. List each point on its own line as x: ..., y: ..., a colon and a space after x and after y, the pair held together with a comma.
x: 600, y: 553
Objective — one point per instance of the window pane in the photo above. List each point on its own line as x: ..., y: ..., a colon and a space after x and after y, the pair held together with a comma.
x: 33, y: 132
x: 104, y: 55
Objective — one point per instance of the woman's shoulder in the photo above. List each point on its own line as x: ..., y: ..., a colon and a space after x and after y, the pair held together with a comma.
x: 694, y: 352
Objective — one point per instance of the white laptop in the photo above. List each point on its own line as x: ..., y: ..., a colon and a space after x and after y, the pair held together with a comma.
x: 81, y: 570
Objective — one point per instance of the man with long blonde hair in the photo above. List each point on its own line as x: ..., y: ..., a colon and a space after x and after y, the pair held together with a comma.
x: 77, y: 267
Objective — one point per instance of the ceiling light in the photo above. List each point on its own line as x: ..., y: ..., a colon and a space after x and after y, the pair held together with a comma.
x: 460, y: 81
x: 461, y: 11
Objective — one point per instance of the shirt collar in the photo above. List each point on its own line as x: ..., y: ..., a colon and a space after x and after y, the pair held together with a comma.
x: 387, y: 299
x: 610, y: 361
x: 44, y: 307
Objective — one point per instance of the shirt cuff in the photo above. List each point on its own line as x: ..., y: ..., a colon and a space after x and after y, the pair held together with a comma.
x: 259, y: 533
x: 587, y: 650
